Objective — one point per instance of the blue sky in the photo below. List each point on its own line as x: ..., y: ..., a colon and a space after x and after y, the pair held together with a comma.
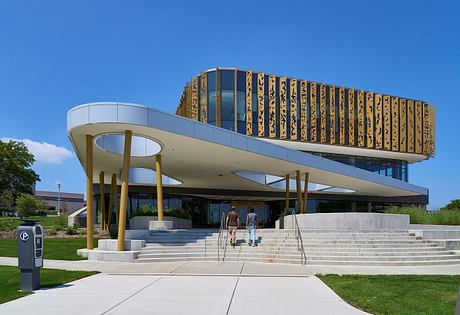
x: 58, y: 54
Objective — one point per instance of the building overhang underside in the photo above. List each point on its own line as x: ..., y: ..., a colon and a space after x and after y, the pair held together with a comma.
x: 203, y: 156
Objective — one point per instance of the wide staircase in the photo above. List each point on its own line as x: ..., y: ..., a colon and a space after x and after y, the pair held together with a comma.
x: 321, y: 247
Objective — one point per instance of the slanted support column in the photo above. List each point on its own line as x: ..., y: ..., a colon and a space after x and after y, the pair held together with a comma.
x: 299, y: 191
x: 159, y: 187
x: 89, y: 192
x: 124, y: 191
x: 286, y: 207
x: 113, y: 187
x: 305, y: 193
x: 102, y: 200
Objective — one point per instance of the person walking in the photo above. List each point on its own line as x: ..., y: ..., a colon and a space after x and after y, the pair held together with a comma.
x: 233, y: 221
x: 251, y: 224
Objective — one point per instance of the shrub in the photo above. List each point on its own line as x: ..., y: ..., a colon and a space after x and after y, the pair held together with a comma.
x: 60, y: 223
x: 453, y: 205
x: 8, y: 225
x: 42, y: 213
x: 71, y: 230
x: 27, y: 205
x: 145, y: 210
x: 420, y: 216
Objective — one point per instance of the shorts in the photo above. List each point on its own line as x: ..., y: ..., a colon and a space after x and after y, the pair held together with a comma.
x: 232, y: 228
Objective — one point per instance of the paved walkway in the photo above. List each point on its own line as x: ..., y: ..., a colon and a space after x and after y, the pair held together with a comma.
x: 181, y: 294
x: 197, y: 288
x: 237, y: 268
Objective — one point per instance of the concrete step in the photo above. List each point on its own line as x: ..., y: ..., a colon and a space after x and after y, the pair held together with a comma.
x: 385, y: 263
x: 385, y: 258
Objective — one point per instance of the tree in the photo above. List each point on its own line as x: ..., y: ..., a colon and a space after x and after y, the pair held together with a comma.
x: 27, y: 205
x: 16, y: 174
x: 453, y: 205
x: 6, y: 199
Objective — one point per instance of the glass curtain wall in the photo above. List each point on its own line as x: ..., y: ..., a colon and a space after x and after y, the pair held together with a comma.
x: 228, y: 99
x: 392, y: 168
x: 212, y: 98
x: 241, y: 102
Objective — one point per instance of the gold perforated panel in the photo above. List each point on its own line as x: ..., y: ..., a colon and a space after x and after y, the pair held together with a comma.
x: 432, y: 130
x: 342, y: 129
x: 378, y: 121
x: 351, y: 117
x: 283, y: 102
x: 204, y: 97
x: 360, y: 106
x: 260, y: 104
x: 293, y: 108
x: 319, y: 113
x: 249, y: 103
x: 426, y: 129
x: 272, y: 106
x: 322, y: 112
x: 194, y: 109
x: 418, y: 127
x: 402, y: 125
x: 410, y: 126
x: 370, y: 119
x: 332, y: 114
x: 313, y: 112
x: 303, y: 110
x: 394, y: 124
x: 386, y: 122
x: 189, y: 101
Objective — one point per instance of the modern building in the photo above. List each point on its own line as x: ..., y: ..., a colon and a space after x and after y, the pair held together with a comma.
x: 252, y: 139
x: 69, y: 202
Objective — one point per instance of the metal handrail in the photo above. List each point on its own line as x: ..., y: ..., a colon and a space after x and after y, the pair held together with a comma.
x: 222, y: 238
x: 298, y: 236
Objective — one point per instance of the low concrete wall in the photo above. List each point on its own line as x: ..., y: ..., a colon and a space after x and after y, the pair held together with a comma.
x: 111, y: 245
x: 434, y: 227
x: 349, y: 220
x: 142, y: 222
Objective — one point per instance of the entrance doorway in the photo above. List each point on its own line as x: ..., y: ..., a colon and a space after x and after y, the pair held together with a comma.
x: 243, y: 207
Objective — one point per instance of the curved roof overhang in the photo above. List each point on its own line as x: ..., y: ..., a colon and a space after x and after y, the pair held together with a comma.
x: 204, y: 156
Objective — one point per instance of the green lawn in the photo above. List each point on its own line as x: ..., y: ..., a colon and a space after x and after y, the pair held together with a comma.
x: 53, y: 248
x: 8, y: 223
x: 406, y: 294
x: 10, y: 285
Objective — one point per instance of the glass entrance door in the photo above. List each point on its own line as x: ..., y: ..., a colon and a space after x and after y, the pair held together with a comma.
x: 243, y: 207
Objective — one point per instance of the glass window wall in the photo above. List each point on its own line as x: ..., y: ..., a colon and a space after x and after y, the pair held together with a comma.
x: 212, y: 98
x: 228, y: 99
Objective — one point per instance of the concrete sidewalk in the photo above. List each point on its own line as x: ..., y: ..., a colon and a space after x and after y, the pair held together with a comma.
x: 181, y: 294
x: 236, y: 268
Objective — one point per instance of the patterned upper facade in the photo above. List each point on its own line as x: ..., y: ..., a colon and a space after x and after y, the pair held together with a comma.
x: 278, y: 107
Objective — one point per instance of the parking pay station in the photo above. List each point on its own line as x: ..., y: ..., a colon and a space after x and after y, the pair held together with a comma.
x: 30, y: 254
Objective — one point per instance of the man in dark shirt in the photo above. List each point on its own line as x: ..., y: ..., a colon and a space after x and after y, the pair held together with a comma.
x: 233, y: 221
x: 251, y: 224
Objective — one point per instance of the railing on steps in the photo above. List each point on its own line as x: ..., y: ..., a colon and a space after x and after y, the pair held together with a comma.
x: 222, y: 239
x: 298, y: 236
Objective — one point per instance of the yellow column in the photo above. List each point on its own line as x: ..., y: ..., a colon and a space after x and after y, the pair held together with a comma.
x: 102, y: 200
x: 299, y: 192
x: 159, y: 188
x: 305, y: 193
x: 124, y: 191
x: 89, y: 192
x: 111, y: 197
x: 286, y: 207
